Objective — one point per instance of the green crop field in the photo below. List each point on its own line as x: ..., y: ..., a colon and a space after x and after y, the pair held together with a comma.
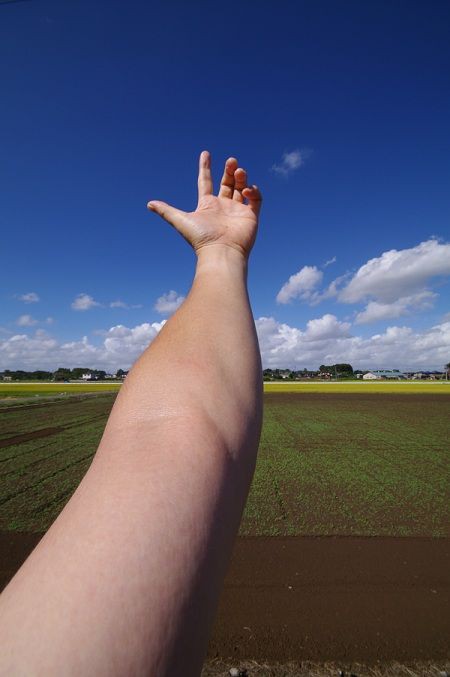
x: 330, y: 463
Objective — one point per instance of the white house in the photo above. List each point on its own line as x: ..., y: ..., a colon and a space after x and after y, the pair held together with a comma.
x: 382, y: 374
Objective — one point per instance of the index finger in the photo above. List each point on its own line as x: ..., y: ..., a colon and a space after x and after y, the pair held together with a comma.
x: 205, y: 184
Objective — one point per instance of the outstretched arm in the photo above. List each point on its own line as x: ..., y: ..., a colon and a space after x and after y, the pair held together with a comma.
x: 127, y: 579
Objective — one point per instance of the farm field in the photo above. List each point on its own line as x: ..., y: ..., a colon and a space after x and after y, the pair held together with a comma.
x: 45, y: 449
x: 352, y: 464
x: 360, y: 387
x: 329, y: 464
x: 345, y: 534
x: 10, y: 391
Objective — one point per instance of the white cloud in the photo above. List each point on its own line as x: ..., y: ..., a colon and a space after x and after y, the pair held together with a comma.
x: 168, y: 303
x: 120, y: 347
x: 26, y: 321
x: 290, y: 162
x: 376, y: 310
x: 84, y: 302
x: 300, y: 285
x: 31, y: 297
x: 324, y: 340
x: 327, y: 341
x: 326, y: 327
x: 329, y: 262
x: 394, y: 284
x: 398, y: 273
x: 122, y: 304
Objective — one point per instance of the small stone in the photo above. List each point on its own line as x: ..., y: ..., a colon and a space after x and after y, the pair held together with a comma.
x: 234, y: 672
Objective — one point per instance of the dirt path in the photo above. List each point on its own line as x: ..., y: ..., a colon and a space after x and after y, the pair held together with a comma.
x: 303, y: 598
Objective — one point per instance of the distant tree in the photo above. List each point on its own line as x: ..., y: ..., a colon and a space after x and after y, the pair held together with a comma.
x: 120, y: 373
x: 78, y: 372
x: 343, y: 368
x: 40, y: 375
x: 62, y: 374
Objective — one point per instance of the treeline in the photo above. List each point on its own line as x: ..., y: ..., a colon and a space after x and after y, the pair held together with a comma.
x: 326, y: 371
x: 61, y: 374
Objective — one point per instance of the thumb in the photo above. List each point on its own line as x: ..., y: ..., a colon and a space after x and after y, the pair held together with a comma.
x: 170, y: 214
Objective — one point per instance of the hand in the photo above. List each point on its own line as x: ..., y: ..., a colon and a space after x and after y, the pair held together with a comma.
x: 226, y: 219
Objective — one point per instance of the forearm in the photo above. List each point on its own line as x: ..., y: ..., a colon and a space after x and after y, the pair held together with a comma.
x: 126, y: 580
x: 205, y: 363
x: 159, y: 508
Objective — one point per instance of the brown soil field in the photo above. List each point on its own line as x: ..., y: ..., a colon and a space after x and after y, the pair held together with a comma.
x: 345, y: 599
x: 333, y: 469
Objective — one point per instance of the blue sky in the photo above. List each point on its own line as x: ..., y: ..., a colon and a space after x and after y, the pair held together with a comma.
x: 106, y: 105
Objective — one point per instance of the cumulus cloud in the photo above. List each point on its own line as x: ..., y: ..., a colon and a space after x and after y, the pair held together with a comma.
x: 126, y: 306
x: 290, y: 162
x: 26, y: 321
x: 392, y: 285
x: 168, y: 303
x: 84, y: 302
x: 120, y: 347
x: 330, y: 342
x: 376, y: 310
x: 324, y: 340
x: 301, y: 285
x: 326, y: 327
x: 31, y: 297
x: 398, y: 273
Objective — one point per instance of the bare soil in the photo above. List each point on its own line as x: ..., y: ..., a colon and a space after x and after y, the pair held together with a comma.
x: 343, y: 599
x: 335, y: 599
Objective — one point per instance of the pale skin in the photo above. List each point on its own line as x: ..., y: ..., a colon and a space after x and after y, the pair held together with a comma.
x: 127, y: 579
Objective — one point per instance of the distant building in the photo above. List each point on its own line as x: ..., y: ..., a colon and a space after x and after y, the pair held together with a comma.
x: 383, y: 375
x: 433, y: 375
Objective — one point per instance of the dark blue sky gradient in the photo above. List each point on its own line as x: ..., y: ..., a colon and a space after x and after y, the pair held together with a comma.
x: 106, y: 105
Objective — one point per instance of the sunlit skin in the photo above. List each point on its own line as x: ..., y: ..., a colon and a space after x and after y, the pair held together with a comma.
x: 222, y: 219
x: 126, y: 581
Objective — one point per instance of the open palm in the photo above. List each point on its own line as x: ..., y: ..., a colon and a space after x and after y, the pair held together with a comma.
x: 230, y: 218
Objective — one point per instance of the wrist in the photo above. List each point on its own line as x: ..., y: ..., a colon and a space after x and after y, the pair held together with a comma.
x: 220, y: 256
